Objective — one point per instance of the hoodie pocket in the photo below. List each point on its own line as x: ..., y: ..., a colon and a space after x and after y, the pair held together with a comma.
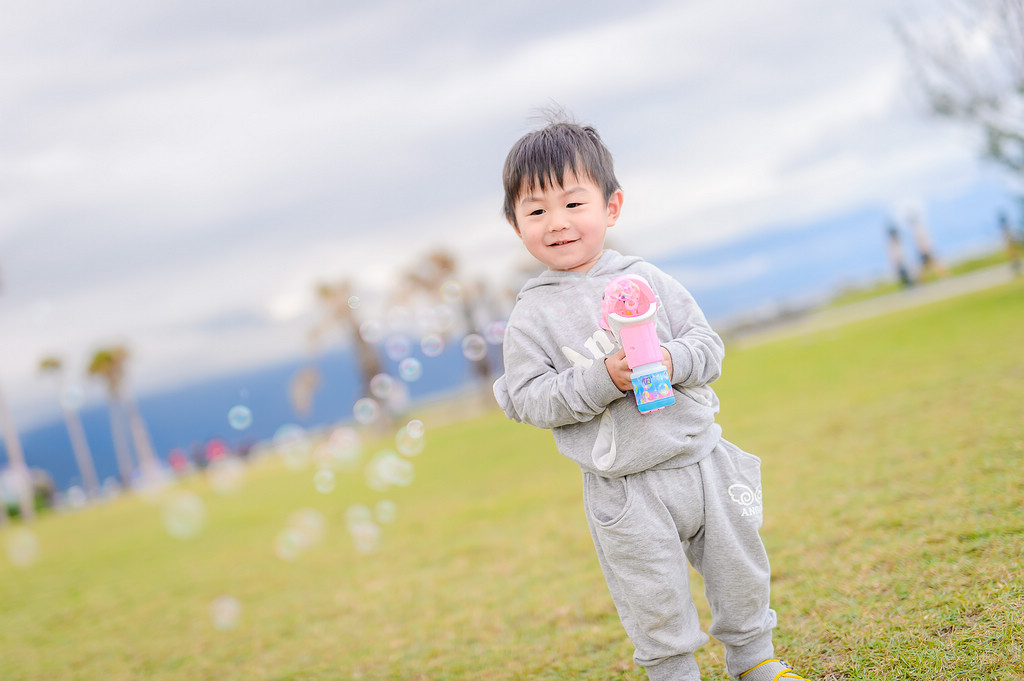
x: 607, y: 499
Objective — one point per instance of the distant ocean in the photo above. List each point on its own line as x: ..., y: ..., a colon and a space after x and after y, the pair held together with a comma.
x: 189, y: 417
x: 791, y: 266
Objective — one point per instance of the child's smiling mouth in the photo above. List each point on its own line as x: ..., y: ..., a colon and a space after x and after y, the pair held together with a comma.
x: 562, y: 243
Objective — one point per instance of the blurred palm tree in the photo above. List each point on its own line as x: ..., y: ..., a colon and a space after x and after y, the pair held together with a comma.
x: 16, y: 457
x: 434, y: 275
x: 336, y: 300
x: 79, y: 444
x: 109, y: 365
x: 302, y: 388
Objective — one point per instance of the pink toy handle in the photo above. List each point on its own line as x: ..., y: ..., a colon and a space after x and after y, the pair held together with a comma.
x: 641, y: 344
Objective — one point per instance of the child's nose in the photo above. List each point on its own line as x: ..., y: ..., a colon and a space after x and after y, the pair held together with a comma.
x: 559, y: 221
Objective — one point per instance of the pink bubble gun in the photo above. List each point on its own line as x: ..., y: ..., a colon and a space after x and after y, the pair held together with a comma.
x: 628, y: 311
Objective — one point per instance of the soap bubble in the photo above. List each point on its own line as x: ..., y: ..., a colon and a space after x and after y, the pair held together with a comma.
x: 382, y: 386
x: 365, y: 532
x: 225, y: 474
x: 397, y: 347
x: 310, y: 524
x: 410, y: 369
x: 495, y: 333
x: 292, y: 444
x: 22, y: 547
x: 416, y: 428
x: 342, y: 449
x: 354, y: 303
x: 240, y: 417
x: 409, y: 439
x: 432, y: 345
x: 366, y: 537
x: 451, y: 291
x: 357, y: 513
x: 184, y: 515
x: 72, y: 397
x: 474, y: 347
x: 366, y: 410
x: 305, y: 529
x: 225, y: 612
x: 371, y: 331
x: 288, y: 544
x: 387, y: 468
x: 323, y: 481
x: 385, y: 511
x: 76, y: 497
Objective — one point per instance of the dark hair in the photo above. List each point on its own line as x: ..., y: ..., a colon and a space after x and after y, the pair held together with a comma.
x: 541, y: 158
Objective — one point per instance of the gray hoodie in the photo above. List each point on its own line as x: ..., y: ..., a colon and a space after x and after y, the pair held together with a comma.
x: 554, y: 350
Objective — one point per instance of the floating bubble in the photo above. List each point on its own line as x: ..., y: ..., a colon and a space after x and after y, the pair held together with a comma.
x: 474, y: 347
x: 293, y: 446
x: 382, y: 386
x: 342, y: 449
x: 22, y: 547
x: 432, y: 345
x: 366, y: 536
x: 72, y: 397
x: 410, y: 442
x: 416, y: 428
x: 365, y: 532
x: 371, y: 331
x: 495, y: 333
x: 184, y: 515
x: 366, y: 410
x: 240, y: 417
x: 225, y: 612
x: 357, y: 513
x: 288, y: 544
x: 225, y: 474
x: 323, y: 481
x: 451, y: 291
x: 397, y: 347
x: 354, y: 303
x: 445, y: 318
x: 111, y: 487
x: 387, y: 469
x: 385, y: 511
x: 76, y: 497
x: 410, y: 369
x: 310, y: 524
x: 305, y: 529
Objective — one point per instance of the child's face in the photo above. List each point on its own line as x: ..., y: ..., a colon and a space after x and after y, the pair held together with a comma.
x: 564, y: 226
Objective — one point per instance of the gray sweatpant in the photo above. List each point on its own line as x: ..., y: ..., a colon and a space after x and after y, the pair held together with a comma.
x: 645, y: 527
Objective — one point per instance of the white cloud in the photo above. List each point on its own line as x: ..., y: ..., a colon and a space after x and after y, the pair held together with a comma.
x: 180, y: 178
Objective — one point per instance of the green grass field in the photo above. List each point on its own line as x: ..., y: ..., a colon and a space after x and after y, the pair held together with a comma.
x: 893, y: 464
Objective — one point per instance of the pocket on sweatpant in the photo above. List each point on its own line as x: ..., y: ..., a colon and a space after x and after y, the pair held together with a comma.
x: 607, y: 499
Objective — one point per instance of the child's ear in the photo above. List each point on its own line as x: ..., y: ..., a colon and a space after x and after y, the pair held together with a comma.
x: 614, y: 207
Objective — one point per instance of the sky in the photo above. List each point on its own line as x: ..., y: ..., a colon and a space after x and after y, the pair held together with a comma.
x: 177, y: 176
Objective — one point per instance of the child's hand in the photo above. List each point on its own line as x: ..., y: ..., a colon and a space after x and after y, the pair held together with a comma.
x: 619, y: 371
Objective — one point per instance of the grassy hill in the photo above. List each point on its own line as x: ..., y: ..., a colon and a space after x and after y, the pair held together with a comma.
x: 894, y: 516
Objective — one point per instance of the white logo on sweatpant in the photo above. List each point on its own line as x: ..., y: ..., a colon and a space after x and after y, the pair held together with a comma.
x: 749, y: 499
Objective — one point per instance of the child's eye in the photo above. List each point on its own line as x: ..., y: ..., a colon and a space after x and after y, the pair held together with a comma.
x: 539, y: 211
x: 575, y: 204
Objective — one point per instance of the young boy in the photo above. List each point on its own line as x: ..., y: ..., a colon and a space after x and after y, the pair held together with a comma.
x: 659, y: 488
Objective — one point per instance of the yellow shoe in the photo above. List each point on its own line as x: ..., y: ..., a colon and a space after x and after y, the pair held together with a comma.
x: 770, y: 670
